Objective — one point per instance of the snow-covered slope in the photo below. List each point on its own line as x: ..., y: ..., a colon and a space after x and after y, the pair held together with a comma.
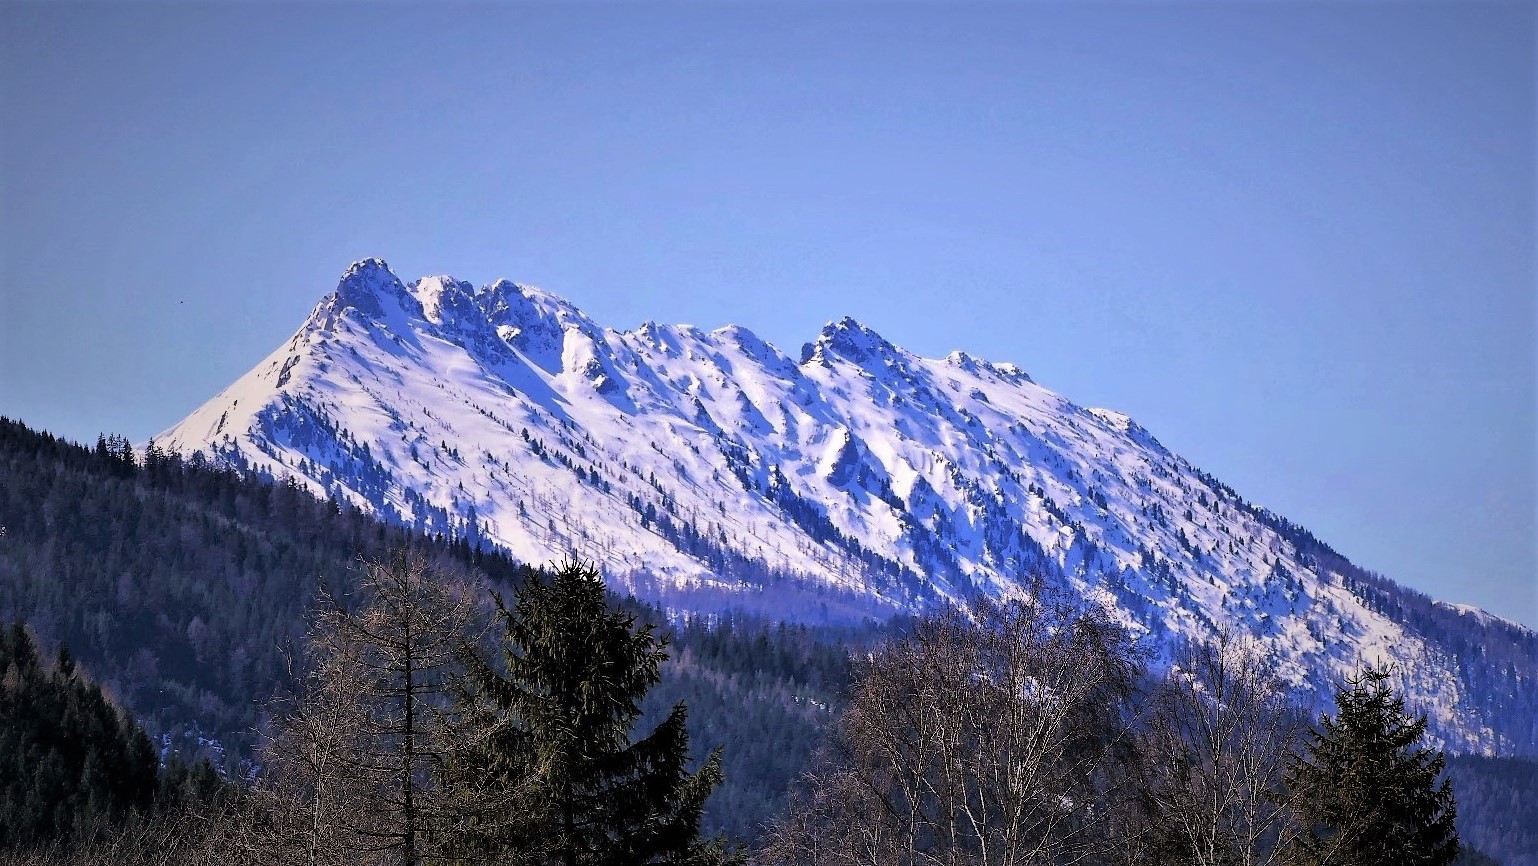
x: 712, y: 470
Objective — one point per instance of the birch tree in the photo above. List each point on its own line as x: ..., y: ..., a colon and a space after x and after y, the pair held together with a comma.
x: 1219, y: 737
x: 994, y: 736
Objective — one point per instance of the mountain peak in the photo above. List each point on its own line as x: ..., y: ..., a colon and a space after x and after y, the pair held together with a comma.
x: 848, y: 339
x: 975, y: 365
x: 508, y: 302
x: 369, y: 274
x: 959, y: 358
x: 365, y: 282
x: 865, y: 481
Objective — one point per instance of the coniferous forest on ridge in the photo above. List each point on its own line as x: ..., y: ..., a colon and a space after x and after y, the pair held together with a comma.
x: 169, y: 606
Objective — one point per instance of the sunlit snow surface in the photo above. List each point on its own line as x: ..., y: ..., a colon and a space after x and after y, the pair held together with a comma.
x: 852, y: 471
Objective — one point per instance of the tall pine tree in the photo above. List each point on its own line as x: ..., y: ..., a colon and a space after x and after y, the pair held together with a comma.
x: 556, y: 722
x: 1366, y: 791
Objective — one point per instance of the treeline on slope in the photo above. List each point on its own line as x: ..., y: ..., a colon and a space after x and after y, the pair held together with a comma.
x: 185, y: 590
x: 762, y: 693
x: 179, y: 585
x: 1508, y: 651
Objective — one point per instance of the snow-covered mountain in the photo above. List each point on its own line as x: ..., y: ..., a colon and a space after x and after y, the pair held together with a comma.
x: 711, y: 470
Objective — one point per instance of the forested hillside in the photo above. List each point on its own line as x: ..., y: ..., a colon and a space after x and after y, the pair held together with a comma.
x: 1498, y: 806
x: 184, y: 589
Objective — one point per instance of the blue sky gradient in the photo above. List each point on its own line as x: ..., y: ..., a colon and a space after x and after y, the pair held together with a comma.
x: 1295, y: 241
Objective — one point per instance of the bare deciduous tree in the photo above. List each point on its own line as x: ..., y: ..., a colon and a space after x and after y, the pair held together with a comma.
x: 352, y: 770
x: 993, y: 737
x: 198, y: 836
x: 1218, y: 738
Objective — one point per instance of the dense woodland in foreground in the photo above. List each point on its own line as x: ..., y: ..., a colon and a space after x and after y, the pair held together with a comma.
x: 188, y: 593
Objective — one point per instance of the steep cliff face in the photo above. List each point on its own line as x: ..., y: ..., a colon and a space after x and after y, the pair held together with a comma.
x: 713, y: 470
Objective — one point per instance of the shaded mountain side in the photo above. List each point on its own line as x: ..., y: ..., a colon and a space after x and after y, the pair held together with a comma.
x: 181, y: 586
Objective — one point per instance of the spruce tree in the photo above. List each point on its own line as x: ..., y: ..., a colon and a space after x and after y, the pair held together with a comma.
x: 1366, y: 790
x: 71, y: 762
x: 555, y: 724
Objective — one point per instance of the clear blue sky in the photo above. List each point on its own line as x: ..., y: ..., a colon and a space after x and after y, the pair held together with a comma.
x: 1295, y: 241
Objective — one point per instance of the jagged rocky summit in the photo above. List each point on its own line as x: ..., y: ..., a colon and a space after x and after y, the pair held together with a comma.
x: 712, y: 471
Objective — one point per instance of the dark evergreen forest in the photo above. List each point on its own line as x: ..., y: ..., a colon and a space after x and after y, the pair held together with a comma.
x: 1498, y: 806
x: 185, y: 590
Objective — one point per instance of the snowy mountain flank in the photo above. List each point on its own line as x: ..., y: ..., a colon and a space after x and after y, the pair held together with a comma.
x: 710, y: 470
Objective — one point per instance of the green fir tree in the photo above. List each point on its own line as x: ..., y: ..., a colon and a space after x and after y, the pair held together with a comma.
x: 555, y: 726
x: 1366, y: 791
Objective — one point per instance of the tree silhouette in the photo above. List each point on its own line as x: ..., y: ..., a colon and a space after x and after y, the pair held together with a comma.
x: 556, y: 720
x: 1366, y: 791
